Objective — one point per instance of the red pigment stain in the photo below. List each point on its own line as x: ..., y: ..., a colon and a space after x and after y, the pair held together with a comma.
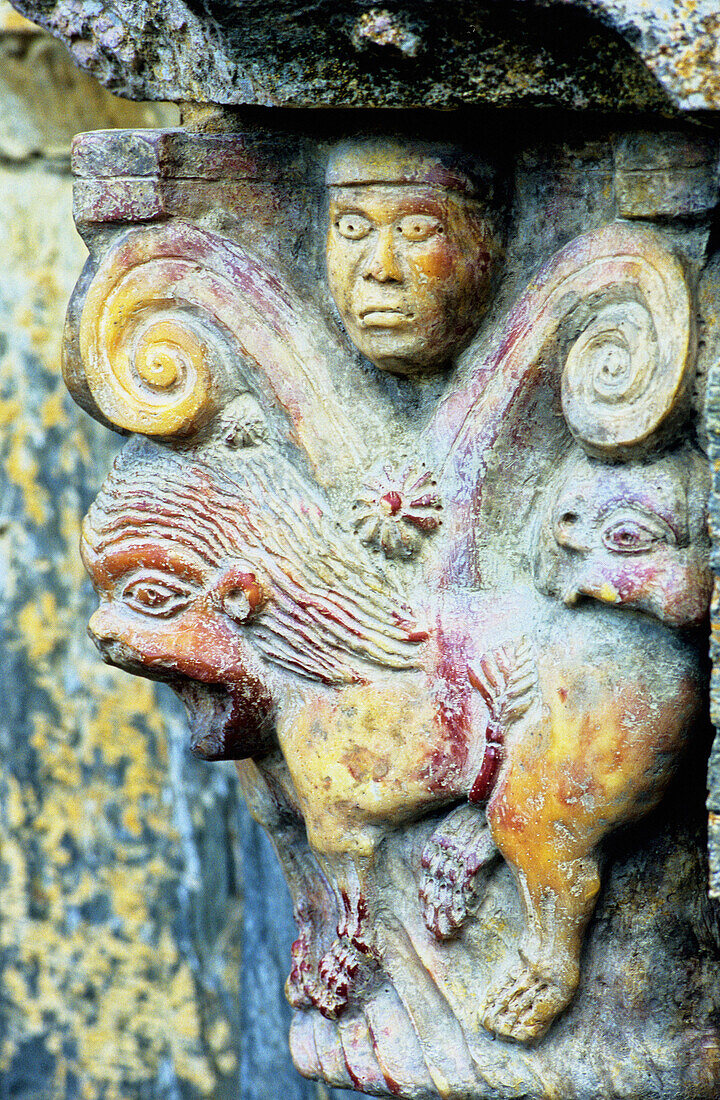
x: 494, y: 750
x: 391, y: 1083
x: 357, y: 1081
x: 423, y: 523
x: 505, y: 816
x: 453, y: 710
x: 485, y: 780
x: 393, y: 501
x: 363, y: 912
x: 562, y: 694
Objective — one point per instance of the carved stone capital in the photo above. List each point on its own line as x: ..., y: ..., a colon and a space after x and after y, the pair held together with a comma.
x: 414, y: 515
x: 440, y: 646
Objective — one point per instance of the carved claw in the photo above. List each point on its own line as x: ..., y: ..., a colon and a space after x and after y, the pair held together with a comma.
x: 526, y: 1003
x: 328, y: 985
x: 345, y: 971
x: 338, y: 969
x: 304, y: 986
x: 349, y: 966
x: 455, y: 864
x: 301, y: 985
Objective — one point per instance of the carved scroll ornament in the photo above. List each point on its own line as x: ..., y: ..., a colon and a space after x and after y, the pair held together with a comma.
x: 478, y: 649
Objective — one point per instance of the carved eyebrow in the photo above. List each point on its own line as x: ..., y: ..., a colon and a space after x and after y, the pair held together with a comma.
x: 351, y: 208
x: 652, y: 512
x: 129, y: 557
x: 429, y: 204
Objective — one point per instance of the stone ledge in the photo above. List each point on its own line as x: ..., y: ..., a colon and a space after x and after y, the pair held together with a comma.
x: 577, y: 55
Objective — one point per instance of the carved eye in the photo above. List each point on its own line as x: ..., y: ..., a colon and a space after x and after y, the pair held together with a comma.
x: 158, y: 595
x: 353, y: 226
x: 631, y: 534
x: 419, y: 227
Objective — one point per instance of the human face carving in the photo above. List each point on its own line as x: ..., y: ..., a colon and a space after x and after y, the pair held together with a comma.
x: 409, y: 268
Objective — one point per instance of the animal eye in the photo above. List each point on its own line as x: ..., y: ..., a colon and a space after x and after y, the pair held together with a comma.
x: 419, y: 227
x: 160, y: 596
x: 630, y: 535
x: 353, y: 226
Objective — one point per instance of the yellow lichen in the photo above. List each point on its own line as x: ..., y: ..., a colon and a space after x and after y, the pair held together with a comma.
x: 89, y: 851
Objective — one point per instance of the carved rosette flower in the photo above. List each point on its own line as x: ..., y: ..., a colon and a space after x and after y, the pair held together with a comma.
x: 395, y: 512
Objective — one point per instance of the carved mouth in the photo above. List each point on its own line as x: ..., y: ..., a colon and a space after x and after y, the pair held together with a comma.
x: 384, y: 316
x: 210, y: 711
x: 219, y: 726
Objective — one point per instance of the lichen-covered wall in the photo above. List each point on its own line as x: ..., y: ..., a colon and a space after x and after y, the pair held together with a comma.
x: 679, y: 41
x: 138, y: 955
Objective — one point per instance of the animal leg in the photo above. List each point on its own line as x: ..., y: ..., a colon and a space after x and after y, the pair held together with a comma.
x: 524, y: 1003
x: 350, y: 966
x: 271, y: 799
x: 597, y: 754
x: 456, y: 862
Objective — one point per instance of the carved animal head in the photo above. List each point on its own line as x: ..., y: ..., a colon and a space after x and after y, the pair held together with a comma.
x: 230, y: 580
x: 410, y: 254
x: 160, y: 544
x: 633, y: 535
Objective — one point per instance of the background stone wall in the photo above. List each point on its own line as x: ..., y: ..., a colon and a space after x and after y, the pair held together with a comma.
x: 144, y: 924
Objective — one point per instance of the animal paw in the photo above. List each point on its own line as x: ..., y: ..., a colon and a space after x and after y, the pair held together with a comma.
x: 455, y: 863
x: 341, y: 973
x: 337, y: 971
x: 524, y: 1006
x: 300, y: 987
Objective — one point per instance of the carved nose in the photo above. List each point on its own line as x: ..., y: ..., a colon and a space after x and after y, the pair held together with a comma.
x: 382, y: 263
x: 100, y: 626
x: 570, y: 532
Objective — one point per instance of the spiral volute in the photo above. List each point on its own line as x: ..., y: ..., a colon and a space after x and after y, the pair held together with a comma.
x: 628, y: 370
x: 152, y: 360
